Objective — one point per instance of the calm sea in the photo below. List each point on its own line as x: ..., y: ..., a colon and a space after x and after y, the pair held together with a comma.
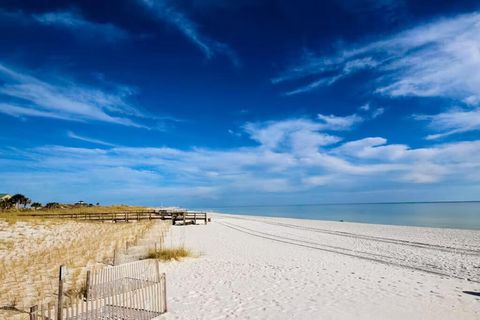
x: 463, y: 215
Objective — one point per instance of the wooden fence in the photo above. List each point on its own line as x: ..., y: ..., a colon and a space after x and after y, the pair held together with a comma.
x: 135, y: 290
x: 183, y: 216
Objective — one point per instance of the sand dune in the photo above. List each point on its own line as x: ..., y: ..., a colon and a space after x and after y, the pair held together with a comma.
x: 274, y: 268
x: 31, y: 252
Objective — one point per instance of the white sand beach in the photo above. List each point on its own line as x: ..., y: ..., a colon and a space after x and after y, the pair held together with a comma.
x: 274, y: 268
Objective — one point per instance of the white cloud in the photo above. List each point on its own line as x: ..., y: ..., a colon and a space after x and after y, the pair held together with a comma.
x: 316, y: 181
x: 290, y: 156
x: 434, y: 59
x: 365, y: 107
x: 378, y: 112
x: 17, y: 111
x: 73, y: 135
x: 472, y: 100
x: 23, y: 94
x: 452, y: 122
x: 339, y: 123
x: 426, y: 173
x: 372, y: 148
x: 289, y: 133
x: 74, y: 21
x: 303, y: 135
x: 169, y: 14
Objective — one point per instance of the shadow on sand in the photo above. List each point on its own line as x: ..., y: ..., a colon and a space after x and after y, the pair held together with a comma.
x: 473, y: 293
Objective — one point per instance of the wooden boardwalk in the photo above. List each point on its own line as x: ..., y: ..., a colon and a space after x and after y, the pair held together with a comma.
x: 180, y: 216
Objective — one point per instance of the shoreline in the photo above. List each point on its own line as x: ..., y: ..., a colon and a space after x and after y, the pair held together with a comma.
x: 283, y: 268
x: 350, y: 203
x: 466, y: 217
x: 240, y: 215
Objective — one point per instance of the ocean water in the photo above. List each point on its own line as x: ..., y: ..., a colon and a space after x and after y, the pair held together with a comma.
x: 462, y: 215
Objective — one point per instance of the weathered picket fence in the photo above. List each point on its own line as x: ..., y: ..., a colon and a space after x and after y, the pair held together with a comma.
x: 135, y: 291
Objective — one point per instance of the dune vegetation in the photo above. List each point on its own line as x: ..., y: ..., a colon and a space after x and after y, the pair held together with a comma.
x: 32, y: 247
x: 168, y: 254
x: 31, y: 251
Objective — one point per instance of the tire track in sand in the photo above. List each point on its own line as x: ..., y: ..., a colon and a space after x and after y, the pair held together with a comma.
x: 384, y: 259
x: 416, y: 244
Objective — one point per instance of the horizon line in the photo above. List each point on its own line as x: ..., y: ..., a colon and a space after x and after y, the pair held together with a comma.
x: 340, y: 203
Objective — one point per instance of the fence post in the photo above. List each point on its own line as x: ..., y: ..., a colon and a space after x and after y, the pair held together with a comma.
x: 33, y: 313
x: 114, y: 255
x: 164, y: 292
x: 157, y: 268
x: 61, y: 279
x: 87, y: 285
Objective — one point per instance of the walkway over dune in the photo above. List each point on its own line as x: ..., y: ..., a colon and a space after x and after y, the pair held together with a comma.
x: 183, y: 216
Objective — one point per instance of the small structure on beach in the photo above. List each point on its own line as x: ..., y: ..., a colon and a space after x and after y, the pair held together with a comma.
x: 4, y: 196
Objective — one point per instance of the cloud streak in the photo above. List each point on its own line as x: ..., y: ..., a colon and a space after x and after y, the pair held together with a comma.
x: 75, y: 22
x: 452, y: 122
x: 430, y: 60
x: 171, y: 15
x: 25, y: 95
x: 73, y: 135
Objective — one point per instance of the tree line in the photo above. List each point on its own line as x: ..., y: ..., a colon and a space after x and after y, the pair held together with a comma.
x: 21, y: 201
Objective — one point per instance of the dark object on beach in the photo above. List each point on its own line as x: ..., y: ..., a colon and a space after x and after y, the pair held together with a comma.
x: 473, y: 293
x: 209, y: 219
x: 341, y: 220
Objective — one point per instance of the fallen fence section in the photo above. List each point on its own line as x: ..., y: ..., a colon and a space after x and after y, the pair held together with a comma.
x: 132, y: 291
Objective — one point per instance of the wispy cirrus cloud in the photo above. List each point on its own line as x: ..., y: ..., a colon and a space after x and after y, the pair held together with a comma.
x: 378, y: 112
x: 431, y: 60
x: 73, y: 135
x: 76, y: 22
x: 168, y: 13
x: 452, y: 121
x: 25, y: 95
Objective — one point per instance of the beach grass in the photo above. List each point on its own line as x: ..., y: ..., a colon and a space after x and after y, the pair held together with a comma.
x: 31, y: 251
x: 14, y: 215
x: 168, y: 254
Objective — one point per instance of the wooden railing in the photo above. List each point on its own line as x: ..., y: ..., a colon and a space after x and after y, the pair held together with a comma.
x: 126, y: 216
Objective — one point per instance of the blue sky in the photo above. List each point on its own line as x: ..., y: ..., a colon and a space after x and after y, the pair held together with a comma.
x: 211, y: 103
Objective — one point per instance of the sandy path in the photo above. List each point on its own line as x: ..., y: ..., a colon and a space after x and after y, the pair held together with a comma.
x: 273, y: 268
